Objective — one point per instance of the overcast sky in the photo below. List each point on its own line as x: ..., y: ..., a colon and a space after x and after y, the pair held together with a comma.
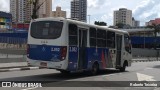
x: 102, y: 10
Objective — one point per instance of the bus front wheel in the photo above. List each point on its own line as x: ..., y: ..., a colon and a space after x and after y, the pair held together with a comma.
x: 65, y: 72
x: 122, y: 69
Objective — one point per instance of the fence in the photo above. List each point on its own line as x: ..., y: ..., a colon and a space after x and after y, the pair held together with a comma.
x: 13, y: 44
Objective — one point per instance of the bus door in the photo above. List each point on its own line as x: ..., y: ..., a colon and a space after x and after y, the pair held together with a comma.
x: 82, y: 48
x: 119, y: 50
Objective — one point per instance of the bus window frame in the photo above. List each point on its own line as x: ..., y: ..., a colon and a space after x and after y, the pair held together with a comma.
x: 95, y: 38
x: 111, y: 39
x: 31, y: 32
x: 70, y: 35
x: 101, y: 38
x: 128, y: 46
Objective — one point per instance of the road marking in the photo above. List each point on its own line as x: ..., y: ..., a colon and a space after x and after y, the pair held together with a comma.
x: 14, y: 69
x: 30, y: 88
x: 143, y: 77
x: 20, y: 69
x: 112, y: 74
x: 148, y: 68
x: 156, y: 88
x: 109, y: 75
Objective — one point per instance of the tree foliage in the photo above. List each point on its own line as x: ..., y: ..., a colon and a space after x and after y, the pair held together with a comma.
x: 156, y: 30
x: 120, y: 25
x: 36, y: 7
x: 100, y: 23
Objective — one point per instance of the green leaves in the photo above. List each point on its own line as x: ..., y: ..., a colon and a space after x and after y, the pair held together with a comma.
x: 100, y: 23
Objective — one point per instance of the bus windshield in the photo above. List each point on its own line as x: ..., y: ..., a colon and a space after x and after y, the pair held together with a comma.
x: 46, y: 29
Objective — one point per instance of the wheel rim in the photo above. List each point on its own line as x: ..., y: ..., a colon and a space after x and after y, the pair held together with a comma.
x: 94, y: 69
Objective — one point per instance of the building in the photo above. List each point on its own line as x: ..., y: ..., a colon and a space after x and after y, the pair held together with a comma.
x: 46, y: 8
x: 79, y: 10
x: 21, y: 10
x: 135, y: 23
x: 5, y: 21
x: 123, y: 16
x: 151, y: 22
x: 14, y: 10
x: 59, y: 13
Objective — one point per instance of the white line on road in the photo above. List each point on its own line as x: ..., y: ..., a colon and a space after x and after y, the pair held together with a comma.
x: 34, y: 68
x: 30, y: 88
x: 14, y: 69
x: 148, y: 68
x: 144, y: 77
x: 109, y: 75
x: 113, y: 74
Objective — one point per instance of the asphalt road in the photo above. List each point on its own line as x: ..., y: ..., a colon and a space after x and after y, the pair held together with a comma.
x: 139, y: 71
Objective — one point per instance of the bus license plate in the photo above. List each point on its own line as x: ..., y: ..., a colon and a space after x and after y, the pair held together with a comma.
x: 43, y: 64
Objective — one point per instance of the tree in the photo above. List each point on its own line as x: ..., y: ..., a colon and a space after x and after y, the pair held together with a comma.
x: 120, y: 25
x: 149, y: 26
x: 100, y: 23
x: 36, y: 7
x: 156, y: 30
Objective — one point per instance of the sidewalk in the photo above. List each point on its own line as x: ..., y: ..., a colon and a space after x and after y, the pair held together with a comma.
x: 13, y: 64
x: 145, y: 59
x: 12, y: 61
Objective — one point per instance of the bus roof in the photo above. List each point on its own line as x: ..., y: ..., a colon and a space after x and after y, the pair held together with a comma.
x: 80, y: 23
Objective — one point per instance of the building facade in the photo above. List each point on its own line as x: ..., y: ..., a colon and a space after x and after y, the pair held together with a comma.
x: 46, y: 8
x: 151, y: 22
x: 123, y: 16
x: 135, y: 23
x: 59, y: 12
x: 21, y: 10
x: 14, y: 10
x: 79, y: 10
x: 5, y: 21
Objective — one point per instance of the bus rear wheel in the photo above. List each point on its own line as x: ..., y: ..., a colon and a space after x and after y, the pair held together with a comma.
x: 95, y: 69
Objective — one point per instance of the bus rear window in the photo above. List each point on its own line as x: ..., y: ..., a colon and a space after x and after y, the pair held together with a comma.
x: 46, y: 29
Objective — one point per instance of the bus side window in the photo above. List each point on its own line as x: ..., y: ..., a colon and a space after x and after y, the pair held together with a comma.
x: 73, y: 35
x: 92, y: 33
x: 110, y: 39
x: 127, y: 42
x: 101, y: 38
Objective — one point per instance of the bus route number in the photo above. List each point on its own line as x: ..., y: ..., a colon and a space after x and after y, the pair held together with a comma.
x: 55, y: 49
x: 73, y: 49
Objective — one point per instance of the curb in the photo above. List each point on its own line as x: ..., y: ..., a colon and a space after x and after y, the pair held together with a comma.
x: 13, y: 65
x: 20, y: 69
x: 144, y: 60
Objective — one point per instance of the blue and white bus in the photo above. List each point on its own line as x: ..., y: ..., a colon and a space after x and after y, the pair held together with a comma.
x: 70, y: 46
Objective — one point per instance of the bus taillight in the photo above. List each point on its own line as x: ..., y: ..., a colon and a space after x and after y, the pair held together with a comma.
x: 63, y: 53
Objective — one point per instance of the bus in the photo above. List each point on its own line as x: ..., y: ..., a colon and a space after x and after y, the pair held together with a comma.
x: 71, y: 46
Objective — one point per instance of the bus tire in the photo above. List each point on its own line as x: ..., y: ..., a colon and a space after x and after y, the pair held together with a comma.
x: 122, y: 69
x: 95, y: 69
x: 65, y: 72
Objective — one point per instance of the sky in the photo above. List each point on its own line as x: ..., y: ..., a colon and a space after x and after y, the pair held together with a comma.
x: 102, y: 10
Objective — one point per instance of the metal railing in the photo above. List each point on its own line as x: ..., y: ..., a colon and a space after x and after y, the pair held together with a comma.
x: 13, y: 45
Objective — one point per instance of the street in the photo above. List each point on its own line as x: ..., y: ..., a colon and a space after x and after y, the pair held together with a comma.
x: 139, y: 71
